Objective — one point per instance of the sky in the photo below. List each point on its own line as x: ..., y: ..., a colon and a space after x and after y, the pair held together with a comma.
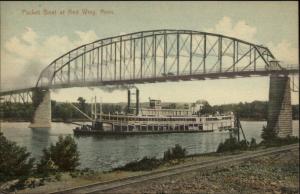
x: 33, y: 34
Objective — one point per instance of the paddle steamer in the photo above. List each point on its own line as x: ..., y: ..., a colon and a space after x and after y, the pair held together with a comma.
x: 155, y: 119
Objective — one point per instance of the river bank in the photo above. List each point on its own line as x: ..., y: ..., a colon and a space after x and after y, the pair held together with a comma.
x: 85, y: 177
x: 278, y: 173
x: 275, y: 173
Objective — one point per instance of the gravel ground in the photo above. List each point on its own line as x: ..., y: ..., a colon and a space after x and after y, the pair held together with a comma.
x: 278, y: 173
x: 69, y: 182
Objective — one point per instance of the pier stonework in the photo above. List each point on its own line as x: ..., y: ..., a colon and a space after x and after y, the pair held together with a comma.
x: 42, y: 109
x: 280, y: 108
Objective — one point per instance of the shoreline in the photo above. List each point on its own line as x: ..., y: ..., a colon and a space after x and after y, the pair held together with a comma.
x: 211, y: 179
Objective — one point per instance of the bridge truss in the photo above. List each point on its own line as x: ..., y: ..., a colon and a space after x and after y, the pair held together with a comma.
x: 154, y: 56
x: 18, y: 96
x: 160, y: 55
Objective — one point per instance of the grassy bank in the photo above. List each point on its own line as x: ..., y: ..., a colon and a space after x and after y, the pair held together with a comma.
x: 281, y: 169
x: 59, y: 162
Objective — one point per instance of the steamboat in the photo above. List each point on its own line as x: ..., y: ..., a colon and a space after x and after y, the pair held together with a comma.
x: 155, y: 119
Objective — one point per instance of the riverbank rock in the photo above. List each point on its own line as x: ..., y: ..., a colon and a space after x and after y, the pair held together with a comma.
x: 7, y: 185
x: 33, y: 182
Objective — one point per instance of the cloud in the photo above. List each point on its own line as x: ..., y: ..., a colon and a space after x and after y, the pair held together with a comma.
x: 24, y: 56
x: 19, y: 48
x: 285, y: 52
x: 239, y: 30
x: 86, y: 37
x: 29, y: 36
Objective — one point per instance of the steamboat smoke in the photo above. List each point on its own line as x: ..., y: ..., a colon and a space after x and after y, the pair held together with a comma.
x: 111, y: 89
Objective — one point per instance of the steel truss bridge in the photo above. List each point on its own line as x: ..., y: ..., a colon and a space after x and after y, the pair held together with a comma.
x: 155, y: 56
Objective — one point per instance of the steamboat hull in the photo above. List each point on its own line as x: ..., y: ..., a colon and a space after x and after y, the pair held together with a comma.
x: 98, y: 132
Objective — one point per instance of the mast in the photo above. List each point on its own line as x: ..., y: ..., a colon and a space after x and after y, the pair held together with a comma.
x: 95, y: 107
x: 92, y: 109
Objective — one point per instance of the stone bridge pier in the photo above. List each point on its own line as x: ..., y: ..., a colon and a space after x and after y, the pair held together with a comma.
x: 280, y: 108
x: 42, y: 109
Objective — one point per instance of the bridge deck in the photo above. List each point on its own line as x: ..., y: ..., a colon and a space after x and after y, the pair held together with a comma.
x: 172, y: 78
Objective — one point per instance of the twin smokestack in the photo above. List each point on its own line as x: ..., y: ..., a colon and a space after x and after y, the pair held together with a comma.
x: 137, y: 101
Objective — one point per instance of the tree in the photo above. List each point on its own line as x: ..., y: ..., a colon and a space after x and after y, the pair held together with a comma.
x: 176, y: 152
x: 268, y: 134
x: 46, y: 165
x: 14, y: 160
x: 231, y: 144
x: 82, y: 103
x: 64, y: 155
x: 66, y: 111
x: 207, y: 108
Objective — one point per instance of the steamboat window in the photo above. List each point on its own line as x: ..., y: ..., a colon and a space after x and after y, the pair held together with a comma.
x: 211, y: 119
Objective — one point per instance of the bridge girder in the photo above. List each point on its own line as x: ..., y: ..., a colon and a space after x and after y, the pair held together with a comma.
x: 158, y: 54
x: 24, y: 97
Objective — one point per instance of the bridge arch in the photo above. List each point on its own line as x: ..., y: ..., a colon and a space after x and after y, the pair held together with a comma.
x: 156, y: 55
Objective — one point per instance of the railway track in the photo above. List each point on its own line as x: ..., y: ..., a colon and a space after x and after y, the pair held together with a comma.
x: 109, y: 185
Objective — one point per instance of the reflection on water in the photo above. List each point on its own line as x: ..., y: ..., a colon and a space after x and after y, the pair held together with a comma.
x: 103, y: 153
x: 39, y: 137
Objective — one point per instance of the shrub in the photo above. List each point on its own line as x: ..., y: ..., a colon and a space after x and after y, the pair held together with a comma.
x: 231, y: 144
x: 268, y: 134
x: 64, y: 155
x: 176, y: 152
x: 46, y: 166
x: 281, y: 141
x: 243, y: 145
x: 270, y: 138
x: 253, y: 143
x: 14, y: 160
x: 143, y: 164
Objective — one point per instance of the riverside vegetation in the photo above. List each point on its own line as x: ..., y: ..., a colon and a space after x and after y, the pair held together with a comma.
x: 146, y: 163
x: 176, y: 154
x: 17, y: 166
x: 18, y: 170
x: 256, y: 110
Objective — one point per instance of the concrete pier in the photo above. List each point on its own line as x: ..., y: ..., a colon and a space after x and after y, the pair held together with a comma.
x: 42, y: 105
x: 280, y: 108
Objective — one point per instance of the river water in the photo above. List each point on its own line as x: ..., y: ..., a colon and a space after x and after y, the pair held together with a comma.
x: 104, y: 153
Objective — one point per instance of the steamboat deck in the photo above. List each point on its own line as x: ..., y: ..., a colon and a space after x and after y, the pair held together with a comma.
x: 156, y: 120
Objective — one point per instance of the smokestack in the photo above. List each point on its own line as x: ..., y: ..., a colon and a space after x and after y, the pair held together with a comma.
x: 128, y: 102
x: 137, y: 93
